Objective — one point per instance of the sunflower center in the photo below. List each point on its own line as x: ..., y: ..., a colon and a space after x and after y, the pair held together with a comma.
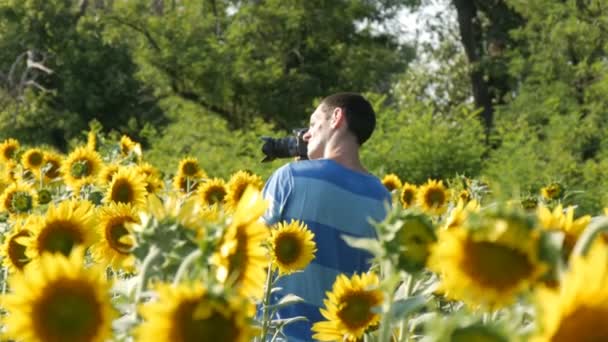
x: 53, y: 169
x: 238, y: 192
x: 355, y: 310
x: 44, y: 196
x: 122, y: 191
x: 414, y: 239
x: 190, y: 169
x: 68, y: 311
x: 214, y: 327
x: 494, y: 265
x: 35, y: 159
x: 435, y: 198
x: 390, y: 185
x: 16, y: 251
x: 114, y: 234
x: 60, y: 237
x: 586, y: 323
x: 215, y: 195
x: 408, y: 197
x: 287, y: 248
x: 9, y: 152
x: 80, y: 169
x: 476, y: 334
x: 21, y: 202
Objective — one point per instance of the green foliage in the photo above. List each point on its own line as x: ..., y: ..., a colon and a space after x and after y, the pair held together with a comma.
x: 90, y: 78
x: 552, y: 128
x: 254, y: 59
x: 417, y: 144
x: 219, y: 149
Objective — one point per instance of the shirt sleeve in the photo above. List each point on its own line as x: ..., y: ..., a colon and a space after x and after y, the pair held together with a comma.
x: 276, y: 191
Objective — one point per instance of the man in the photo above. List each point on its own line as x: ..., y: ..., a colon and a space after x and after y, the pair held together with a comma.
x: 334, y: 195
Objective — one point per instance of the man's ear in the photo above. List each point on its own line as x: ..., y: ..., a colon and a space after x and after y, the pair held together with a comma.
x: 338, y: 118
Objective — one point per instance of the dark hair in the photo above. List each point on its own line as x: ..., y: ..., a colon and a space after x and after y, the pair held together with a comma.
x: 360, y: 115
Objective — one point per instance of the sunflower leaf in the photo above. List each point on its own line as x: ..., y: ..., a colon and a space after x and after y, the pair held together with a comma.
x: 285, y: 301
x: 280, y: 323
x: 371, y: 245
x: 404, y: 307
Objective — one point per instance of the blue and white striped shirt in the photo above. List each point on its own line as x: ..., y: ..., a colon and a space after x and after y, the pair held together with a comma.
x: 332, y: 201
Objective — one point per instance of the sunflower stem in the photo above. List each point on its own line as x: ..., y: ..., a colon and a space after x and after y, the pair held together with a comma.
x: 404, y: 325
x: 188, y: 260
x: 266, y: 304
x: 4, y: 279
x: 392, y: 283
x: 585, y: 242
x: 152, y: 254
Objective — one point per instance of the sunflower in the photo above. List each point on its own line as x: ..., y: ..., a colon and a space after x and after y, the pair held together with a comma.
x: 348, y: 308
x: 464, y: 195
x: 8, y: 150
x: 212, y: 192
x: 408, y: 195
x: 237, y: 184
x: 472, y: 260
x: 128, y: 146
x: 66, y: 225
x: 552, y: 191
x: 152, y: 177
x: 564, y: 222
x: 433, y: 197
x: 148, y: 170
x: 189, y: 167
x: 459, y: 213
x: 529, y: 203
x: 392, y: 182
x: 241, y: 258
x: 81, y: 167
x: 154, y: 184
x: 577, y: 310
x: 33, y: 160
x: 188, y: 214
x: 18, y: 199
x: 66, y: 302
x: 52, y: 166
x: 116, y: 237
x: 188, y: 313
x: 106, y: 174
x: 188, y: 176
x: 291, y: 247
x: 127, y: 187
x: 44, y: 196
x: 412, y: 242
x: 9, y: 171
x: 13, y: 252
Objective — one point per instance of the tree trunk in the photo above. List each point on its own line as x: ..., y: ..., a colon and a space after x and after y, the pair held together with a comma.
x: 472, y: 41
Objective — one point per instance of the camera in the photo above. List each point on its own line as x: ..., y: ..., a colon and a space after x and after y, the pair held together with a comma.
x: 286, y: 147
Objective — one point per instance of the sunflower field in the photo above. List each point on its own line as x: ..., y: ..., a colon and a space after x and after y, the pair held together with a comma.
x: 98, y: 246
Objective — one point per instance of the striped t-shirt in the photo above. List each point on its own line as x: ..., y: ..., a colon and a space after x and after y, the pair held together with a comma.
x: 332, y: 201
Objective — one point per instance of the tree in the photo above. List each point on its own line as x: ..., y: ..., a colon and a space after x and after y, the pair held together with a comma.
x: 91, y: 78
x: 268, y: 59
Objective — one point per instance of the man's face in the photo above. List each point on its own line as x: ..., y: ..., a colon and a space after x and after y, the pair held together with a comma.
x: 318, y: 133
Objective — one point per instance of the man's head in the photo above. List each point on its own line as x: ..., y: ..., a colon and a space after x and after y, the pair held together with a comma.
x: 346, y: 115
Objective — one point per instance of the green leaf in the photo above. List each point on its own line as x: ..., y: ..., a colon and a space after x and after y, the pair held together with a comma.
x: 407, y: 306
x: 371, y: 245
x: 285, y: 301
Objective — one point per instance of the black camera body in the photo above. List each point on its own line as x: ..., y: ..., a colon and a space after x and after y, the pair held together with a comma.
x: 288, y: 147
